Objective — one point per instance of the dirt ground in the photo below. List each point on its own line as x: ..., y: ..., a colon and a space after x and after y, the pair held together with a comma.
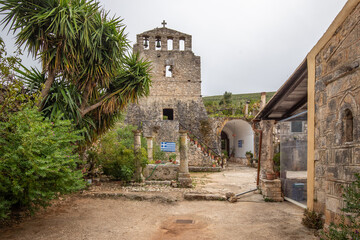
x: 85, y: 217
x: 90, y: 219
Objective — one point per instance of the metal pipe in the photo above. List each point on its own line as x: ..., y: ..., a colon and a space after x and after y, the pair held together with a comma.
x: 259, y: 160
x: 253, y: 190
x: 292, y: 117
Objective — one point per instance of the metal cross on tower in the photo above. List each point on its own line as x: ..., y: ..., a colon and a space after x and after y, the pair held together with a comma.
x: 163, y: 23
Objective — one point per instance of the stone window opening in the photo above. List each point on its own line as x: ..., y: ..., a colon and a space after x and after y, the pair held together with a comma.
x: 170, y: 45
x: 168, y: 71
x: 157, y: 43
x: 348, y: 125
x: 168, y: 114
x: 296, y: 126
x: 182, y: 44
x: 146, y: 42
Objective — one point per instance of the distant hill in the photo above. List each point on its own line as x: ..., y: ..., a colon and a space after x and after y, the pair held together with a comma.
x: 236, y: 98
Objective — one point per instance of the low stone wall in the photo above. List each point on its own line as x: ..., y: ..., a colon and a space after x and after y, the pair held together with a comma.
x: 271, y: 189
x: 204, y: 169
x: 242, y: 161
x: 162, y: 171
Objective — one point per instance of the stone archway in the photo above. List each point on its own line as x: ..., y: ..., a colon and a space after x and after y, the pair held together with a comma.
x: 240, y: 139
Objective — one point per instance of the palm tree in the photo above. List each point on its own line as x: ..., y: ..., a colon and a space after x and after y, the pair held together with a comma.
x: 49, y: 30
x: 88, y: 76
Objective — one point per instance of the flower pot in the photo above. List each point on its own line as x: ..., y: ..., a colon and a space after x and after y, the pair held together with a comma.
x: 270, y: 176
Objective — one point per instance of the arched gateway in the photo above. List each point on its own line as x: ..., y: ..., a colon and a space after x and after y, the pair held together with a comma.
x: 237, y: 137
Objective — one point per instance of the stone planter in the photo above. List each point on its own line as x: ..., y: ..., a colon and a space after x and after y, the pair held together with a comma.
x: 249, y: 159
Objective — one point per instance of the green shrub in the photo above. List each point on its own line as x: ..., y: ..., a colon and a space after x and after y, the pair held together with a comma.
x: 172, y: 156
x: 349, y: 226
x: 37, y: 160
x: 312, y: 220
x: 116, y: 153
x: 158, y: 155
x: 249, y: 153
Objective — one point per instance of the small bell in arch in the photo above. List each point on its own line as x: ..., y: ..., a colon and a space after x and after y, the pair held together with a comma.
x: 158, y: 44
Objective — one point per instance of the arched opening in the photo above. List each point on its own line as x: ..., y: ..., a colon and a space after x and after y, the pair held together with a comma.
x: 240, y: 139
x: 170, y: 44
x: 348, y: 126
x: 224, y: 143
x: 157, y: 43
x: 182, y: 44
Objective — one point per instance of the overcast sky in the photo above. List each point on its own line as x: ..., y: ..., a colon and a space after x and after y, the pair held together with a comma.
x: 245, y: 45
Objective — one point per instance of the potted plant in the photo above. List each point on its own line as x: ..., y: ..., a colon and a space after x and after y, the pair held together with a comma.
x: 249, y: 155
x: 276, y: 160
x: 172, y: 157
x: 270, y: 175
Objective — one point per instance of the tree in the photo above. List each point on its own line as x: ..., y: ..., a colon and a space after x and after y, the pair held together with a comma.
x: 49, y: 29
x: 226, y: 100
x: 83, y: 52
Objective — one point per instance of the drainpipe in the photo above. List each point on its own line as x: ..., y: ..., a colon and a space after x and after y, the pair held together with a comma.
x: 260, y: 143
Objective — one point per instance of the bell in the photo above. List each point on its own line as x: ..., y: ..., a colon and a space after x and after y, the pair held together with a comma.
x: 146, y: 43
x: 158, y: 45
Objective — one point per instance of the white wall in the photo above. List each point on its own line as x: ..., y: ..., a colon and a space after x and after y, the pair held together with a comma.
x: 239, y: 130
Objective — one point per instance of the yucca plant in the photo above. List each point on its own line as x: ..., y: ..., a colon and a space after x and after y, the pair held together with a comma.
x: 87, y: 75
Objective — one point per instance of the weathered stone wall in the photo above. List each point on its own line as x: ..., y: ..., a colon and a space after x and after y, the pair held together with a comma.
x: 267, y: 147
x: 337, y: 91
x: 162, y: 172
x: 180, y: 92
x: 197, y: 156
x: 271, y: 190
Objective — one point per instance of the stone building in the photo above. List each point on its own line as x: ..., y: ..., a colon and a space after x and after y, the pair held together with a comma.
x: 326, y: 87
x: 175, y: 99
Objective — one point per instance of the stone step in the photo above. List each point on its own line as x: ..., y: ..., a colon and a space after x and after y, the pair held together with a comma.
x: 168, y: 183
x: 203, y: 196
x: 204, y: 169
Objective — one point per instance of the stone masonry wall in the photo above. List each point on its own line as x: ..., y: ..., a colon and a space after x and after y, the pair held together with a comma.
x: 161, y: 172
x: 180, y: 92
x: 337, y: 91
x: 197, y: 156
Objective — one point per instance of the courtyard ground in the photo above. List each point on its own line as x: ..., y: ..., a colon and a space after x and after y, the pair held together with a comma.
x: 166, y: 215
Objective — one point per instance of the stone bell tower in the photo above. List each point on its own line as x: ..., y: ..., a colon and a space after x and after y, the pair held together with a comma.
x: 175, y: 99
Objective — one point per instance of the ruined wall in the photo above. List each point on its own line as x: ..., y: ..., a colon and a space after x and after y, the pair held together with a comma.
x: 162, y: 172
x: 176, y: 85
x: 337, y: 94
x: 197, y: 157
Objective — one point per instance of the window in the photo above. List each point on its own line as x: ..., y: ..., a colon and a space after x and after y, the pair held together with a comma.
x: 158, y: 43
x: 169, y: 44
x: 168, y: 71
x: 296, y: 126
x: 348, y: 125
x: 182, y: 44
x: 146, y: 43
x: 168, y: 114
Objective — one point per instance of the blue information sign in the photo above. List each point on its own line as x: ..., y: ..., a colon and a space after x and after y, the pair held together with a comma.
x: 240, y: 143
x: 168, y: 146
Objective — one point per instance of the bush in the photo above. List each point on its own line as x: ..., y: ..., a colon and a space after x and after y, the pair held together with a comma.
x: 116, y: 153
x: 312, y: 219
x: 158, y: 155
x: 349, y: 226
x: 37, y: 160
